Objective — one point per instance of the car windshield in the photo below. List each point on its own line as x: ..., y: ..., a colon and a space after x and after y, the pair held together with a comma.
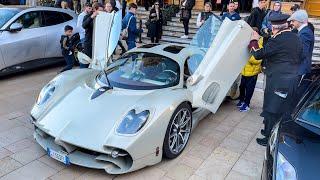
x: 311, y: 112
x: 6, y: 15
x: 143, y: 71
x: 207, y: 32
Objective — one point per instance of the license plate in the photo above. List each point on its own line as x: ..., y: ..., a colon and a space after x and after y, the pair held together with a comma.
x: 59, y: 156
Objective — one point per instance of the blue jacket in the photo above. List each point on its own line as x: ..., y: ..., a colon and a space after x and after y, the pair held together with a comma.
x: 132, y: 28
x: 233, y: 17
x: 307, y: 38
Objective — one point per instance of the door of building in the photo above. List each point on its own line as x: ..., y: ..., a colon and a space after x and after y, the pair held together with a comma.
x: 313, y: 7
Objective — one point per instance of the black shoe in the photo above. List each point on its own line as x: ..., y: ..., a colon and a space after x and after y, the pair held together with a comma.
x: 263, y: 132
x: 262, y: 141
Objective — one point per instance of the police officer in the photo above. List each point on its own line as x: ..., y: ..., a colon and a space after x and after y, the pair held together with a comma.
x: 282, y: 57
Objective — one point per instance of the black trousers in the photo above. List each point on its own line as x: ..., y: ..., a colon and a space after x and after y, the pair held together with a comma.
x: 242, y: 5
x: 155, y: 39
x: 186, y: 26
x: 247, y: 85
x: 271, y: 119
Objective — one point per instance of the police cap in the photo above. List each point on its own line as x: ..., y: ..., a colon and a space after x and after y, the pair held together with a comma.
x: 276, y: 18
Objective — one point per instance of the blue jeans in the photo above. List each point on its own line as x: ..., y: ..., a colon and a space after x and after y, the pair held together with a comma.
x: 131, y: 44
x: 247, y: 86
x: 69, y: 61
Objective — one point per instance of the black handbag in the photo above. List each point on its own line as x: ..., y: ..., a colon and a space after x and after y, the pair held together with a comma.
x: 185, y: 14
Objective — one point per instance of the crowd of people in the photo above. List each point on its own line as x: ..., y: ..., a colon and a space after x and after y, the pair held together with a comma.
x: 285, y: 56
x: 85, y: 25
x: 281, y: 48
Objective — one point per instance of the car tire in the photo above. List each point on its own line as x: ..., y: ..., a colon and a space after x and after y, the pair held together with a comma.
x: 178, y: 131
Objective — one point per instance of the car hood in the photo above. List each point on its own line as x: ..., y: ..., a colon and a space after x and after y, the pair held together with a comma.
x: 301, y: 148
x: 79, y: 120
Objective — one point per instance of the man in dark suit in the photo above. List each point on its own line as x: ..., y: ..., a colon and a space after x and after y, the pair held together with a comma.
x: 299, y: 21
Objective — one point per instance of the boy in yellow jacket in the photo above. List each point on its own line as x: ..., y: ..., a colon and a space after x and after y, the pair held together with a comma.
x: 249, y: 79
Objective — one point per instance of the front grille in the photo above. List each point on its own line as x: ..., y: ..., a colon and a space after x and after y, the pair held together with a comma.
x: 88, y: 158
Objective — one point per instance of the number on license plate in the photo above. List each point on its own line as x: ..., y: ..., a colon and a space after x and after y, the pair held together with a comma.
x: 58, y: 156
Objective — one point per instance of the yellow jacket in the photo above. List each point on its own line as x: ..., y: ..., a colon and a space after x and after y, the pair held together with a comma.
x: 253, y: 66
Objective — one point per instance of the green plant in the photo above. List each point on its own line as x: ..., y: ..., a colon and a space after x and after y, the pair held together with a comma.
x: 49, y: 3
x: 168, y: 12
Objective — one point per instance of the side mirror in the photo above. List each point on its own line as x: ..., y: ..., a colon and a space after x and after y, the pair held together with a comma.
x: 15, y: 27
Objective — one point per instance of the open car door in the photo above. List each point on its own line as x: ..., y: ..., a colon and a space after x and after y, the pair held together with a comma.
x: 106, y: 34
x: 221, y: 65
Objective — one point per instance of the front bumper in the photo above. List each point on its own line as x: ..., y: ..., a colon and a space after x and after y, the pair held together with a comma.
x: 83, y: 157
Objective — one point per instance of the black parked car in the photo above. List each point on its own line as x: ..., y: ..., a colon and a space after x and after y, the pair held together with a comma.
x: 293, y: 151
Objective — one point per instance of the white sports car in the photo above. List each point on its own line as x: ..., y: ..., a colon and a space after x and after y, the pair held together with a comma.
x: 142, y: 107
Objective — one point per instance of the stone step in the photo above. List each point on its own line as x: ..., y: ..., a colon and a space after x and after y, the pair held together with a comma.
x: 177, y: 19
x: 316, y: 51
x: 179, y: 24
x: 178, y: 29
x: 168, y: 39
x: 316, y: 59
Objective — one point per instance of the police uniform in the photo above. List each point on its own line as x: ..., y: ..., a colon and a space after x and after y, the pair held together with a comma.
x: 281, y: 56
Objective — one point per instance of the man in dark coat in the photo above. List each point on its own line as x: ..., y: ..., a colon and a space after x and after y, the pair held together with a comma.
x: 257, y: 15
x: 299, y: 21
x: 282, y: 54
x: 88, y: 26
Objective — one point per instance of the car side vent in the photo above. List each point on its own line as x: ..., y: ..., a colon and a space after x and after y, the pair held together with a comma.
x: 211, y: 92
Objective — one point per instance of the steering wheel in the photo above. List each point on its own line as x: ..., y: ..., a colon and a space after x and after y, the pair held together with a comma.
x: 137, y: 75
x: 170, y: 71
x: 167, y: 76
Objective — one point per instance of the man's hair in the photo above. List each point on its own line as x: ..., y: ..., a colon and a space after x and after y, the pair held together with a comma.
x: 231, y: 2
x: 68, y: 28
x: 261, y: 0
x: 208, y: 3
x: 133, y: 5
x: 96, y: 5
x: 295, y: 7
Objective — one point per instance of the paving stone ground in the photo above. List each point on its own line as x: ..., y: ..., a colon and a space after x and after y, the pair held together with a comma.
x: 221, y: 147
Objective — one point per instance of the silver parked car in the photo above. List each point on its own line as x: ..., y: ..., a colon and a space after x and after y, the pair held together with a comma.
x: 30, y: 36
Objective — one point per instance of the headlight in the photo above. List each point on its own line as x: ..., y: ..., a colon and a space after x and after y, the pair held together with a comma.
x: 133, y: 122
x: 284, y: 169
x: 46, y: 93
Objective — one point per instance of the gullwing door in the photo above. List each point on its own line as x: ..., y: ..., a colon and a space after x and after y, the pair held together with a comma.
x: 221, y: 65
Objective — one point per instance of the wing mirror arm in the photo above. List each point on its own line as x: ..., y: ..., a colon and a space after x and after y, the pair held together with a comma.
x: 194, y: 79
